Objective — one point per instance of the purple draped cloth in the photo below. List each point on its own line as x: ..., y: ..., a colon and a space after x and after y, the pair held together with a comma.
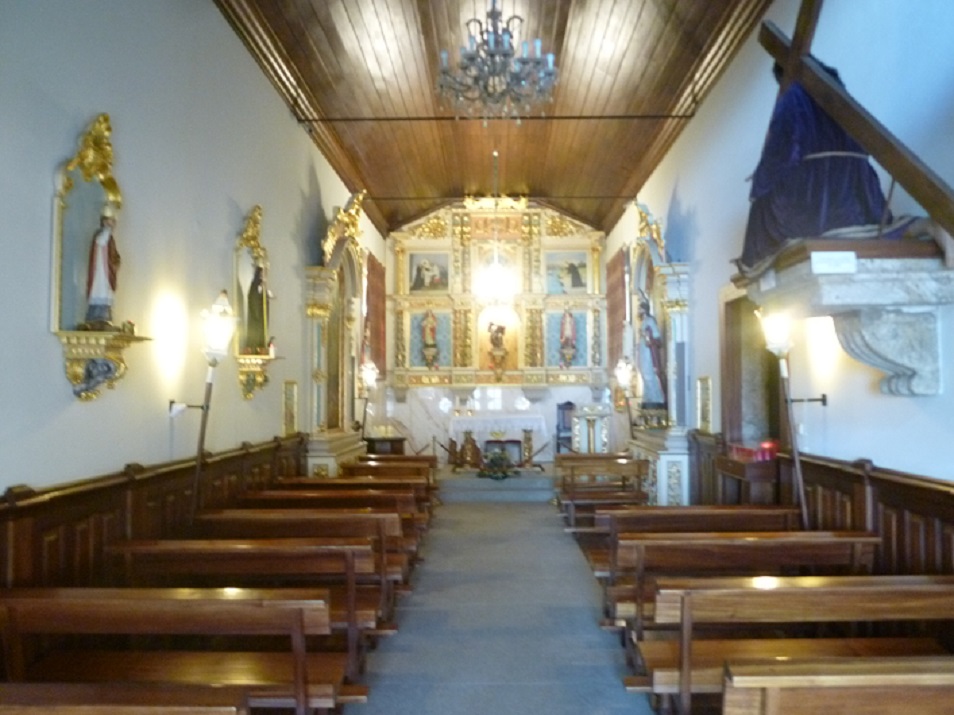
x: 812, y: 178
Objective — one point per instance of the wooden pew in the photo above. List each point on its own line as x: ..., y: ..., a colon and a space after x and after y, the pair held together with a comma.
x: 580, y: 506
x: 600, y: 472
x: 388, y: 469
x: 294, y: 678
x: 121, y: 699
x: 384, y: 526
x: 642, y: 558
x: 249, y: 563
x: 598, y: 542
x: 399, y: 501
x: 420, y: 486
x: 689, y: 666
x: 392, y: 468
x: 861, y: 686
x: 564, y: 459
x: 429, y: 459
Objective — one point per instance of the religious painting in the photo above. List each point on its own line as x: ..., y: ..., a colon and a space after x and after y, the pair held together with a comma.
x: 428, y: 272
x: 567, y: 272
x: 566, y: 340
x: 430, y: 339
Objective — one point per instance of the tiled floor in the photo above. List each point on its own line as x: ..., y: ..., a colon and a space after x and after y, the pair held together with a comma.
x: 502, y: 619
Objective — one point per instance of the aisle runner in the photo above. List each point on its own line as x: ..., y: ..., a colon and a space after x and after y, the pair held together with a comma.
x: 502, y: 619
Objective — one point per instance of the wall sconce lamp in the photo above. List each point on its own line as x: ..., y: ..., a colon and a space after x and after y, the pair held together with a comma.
x: 624, y: 373
x: 218, y: 326
x: 776, y: 327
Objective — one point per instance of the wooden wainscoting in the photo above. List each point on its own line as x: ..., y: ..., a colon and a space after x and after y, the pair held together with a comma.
x: 57, y: 536
x: 703, y: 480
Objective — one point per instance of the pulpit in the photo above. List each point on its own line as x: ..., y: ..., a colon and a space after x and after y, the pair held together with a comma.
x: 591, y: 428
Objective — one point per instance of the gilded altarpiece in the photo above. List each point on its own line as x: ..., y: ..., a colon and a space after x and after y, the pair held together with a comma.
x: 334, y: 305
x: 496, y: 291
x: 660, y: 389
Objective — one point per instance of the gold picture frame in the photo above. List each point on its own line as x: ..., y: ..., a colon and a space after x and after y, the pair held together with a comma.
x: 704, y: 404
x: 289, y: 408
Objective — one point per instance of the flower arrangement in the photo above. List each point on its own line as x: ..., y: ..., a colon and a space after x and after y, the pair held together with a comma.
x: 497, y: 465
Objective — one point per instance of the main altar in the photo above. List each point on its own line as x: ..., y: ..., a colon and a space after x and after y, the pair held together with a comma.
x: 507, y: 431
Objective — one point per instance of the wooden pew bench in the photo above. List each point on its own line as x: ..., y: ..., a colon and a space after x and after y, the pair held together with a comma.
x: 401, y: 502
x: 120, y: 699
x: 598, y: 542
x: 391, y: 469
x: 39, y: 624
x: 334, y: 563
x: 600, y: 473
x: 565, y: 459
x: 861, y: 686
x: 418, y: 485
x: 393, y: 567
x: 642, y: 558
x: 580, y: 507
x: 429, y: 459
x: 690, y: 665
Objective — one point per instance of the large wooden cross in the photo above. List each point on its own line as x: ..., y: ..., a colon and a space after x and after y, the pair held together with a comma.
x: 918, y: 179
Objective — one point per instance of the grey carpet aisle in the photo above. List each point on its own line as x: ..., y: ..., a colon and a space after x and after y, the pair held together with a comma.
x: 502, y: 619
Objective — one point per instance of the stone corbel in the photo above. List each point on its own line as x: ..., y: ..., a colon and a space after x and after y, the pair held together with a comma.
x: 881, y: 295
x: 905, y: 345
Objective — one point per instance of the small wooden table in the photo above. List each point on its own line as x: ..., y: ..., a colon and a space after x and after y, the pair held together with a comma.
x: 385, y: 445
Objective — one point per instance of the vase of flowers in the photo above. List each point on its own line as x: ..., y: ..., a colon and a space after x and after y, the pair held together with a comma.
x: 497, y: 465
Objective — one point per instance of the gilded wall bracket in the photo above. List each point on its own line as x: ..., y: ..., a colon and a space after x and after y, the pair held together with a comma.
x: 86, y: 266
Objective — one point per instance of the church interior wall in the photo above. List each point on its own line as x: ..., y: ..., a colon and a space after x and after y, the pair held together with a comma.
x: 199, y: 137
x: 700, y: 190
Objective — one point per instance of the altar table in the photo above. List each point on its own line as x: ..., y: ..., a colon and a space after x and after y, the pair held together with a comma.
x: 489, y: 426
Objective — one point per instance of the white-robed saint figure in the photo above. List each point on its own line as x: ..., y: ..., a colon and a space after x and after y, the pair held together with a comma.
x: 651, y: 367
x: 103, y: 268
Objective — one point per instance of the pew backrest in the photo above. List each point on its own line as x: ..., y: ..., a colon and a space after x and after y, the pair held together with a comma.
x: 696, y: 518
x: 28, y: 612
x: 695, y: 602
x: 121, y: 699
x: 921, y: 684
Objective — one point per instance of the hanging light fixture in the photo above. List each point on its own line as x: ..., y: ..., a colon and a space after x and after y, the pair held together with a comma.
x: 493, y: 79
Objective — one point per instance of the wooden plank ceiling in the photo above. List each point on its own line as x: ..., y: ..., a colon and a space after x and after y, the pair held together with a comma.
x: 360, y: 75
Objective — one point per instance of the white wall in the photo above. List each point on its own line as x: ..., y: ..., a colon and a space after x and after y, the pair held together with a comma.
x: 200, y: 136
x: 895, y: 57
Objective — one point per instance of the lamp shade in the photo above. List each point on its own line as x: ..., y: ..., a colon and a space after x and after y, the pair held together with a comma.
x: 624, y: 373
x: 218, y: 325
x: 369, y: 374
x: 777, y: 328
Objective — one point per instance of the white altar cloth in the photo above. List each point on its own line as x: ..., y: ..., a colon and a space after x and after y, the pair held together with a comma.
x: 499, y: 425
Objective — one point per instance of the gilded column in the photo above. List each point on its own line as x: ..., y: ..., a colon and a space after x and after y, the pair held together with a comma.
x: 400, y: 346
x: 463, y: 348
x: 462, y: 256
x: 596, y: 265
x: 534, y: 344
x: 596, y: 356
x: 400, y: 284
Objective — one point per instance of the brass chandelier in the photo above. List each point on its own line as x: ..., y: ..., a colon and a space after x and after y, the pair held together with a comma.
x: 493, y: 79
